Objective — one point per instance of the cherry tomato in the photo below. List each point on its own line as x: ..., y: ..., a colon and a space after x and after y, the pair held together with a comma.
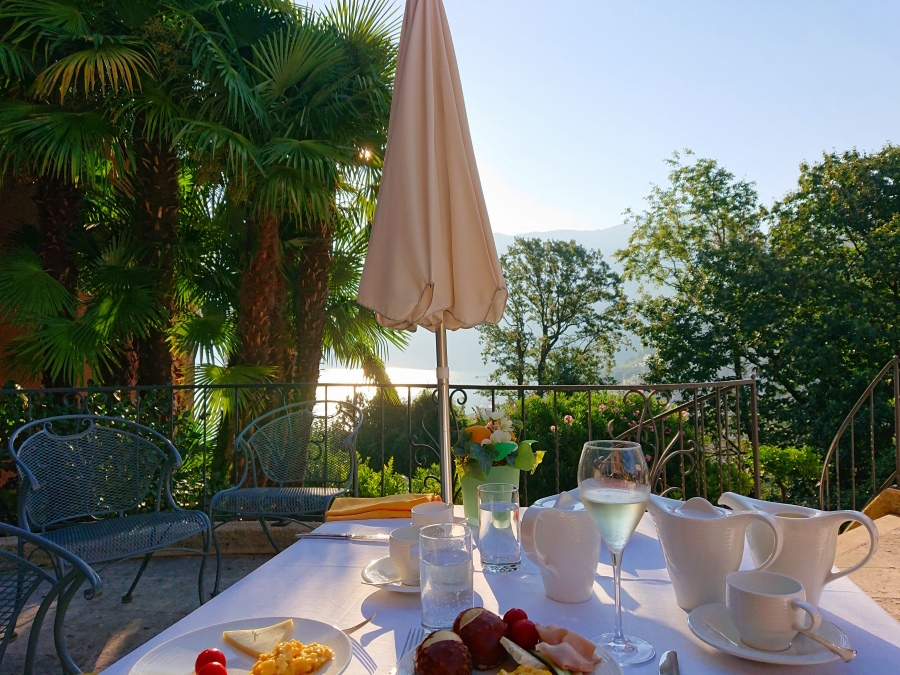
x: 209, y: 656
x: 514, y: 615
x: 525, y: 634
x: 212, y: 668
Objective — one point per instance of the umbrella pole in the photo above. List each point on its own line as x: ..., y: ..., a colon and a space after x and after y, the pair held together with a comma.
x: 443, y: 391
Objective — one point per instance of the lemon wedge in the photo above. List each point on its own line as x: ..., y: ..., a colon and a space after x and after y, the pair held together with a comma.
x: 256, y: 641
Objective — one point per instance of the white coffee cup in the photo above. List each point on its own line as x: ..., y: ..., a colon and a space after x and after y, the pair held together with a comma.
x: 404, y: 552
x: 432, y: 513
x: 767, y: 609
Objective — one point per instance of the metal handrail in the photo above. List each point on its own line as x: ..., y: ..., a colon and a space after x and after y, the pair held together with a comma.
x: 868, y: 396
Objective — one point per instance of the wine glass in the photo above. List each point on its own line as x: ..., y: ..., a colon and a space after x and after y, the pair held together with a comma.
x: 614, y: 485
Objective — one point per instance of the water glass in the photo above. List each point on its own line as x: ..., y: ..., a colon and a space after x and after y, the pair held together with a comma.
x: 499, y: 539
x: 445, y: 567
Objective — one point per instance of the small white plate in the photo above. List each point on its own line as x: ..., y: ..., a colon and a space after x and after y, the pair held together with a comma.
x: 177, y: 656
x: 706, y: 620
x: 381, y: 571
x: 407, y: 665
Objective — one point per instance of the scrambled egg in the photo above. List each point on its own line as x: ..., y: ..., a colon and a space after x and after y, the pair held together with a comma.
x: 292, y: 658
x: 525, y: 670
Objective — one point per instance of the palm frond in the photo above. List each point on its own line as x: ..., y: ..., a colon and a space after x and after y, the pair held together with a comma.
x: 28, y: 292
x: 107, y: 65
x: 60, y: 347
x: 56, y: 141
x: 124, y: 296
x: 204, y: 334
x: 222, y: 395
x: 52, y: 16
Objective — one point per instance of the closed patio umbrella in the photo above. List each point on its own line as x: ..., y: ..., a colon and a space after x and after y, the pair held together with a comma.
x: 432, y: 260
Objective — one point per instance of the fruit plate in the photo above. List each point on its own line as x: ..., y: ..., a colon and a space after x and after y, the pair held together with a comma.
x: 177, y: 656
x: 407, y: 665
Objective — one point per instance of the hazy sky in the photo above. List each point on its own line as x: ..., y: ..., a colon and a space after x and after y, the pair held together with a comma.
x: 574, y: 104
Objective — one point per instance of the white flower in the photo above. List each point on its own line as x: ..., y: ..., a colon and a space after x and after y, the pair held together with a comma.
x: 501, y: 436
x: 497, y: 414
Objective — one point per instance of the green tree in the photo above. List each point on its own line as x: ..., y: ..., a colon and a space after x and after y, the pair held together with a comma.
x: 836, y: 242
x: 563, y: 320
x: 699, y: 255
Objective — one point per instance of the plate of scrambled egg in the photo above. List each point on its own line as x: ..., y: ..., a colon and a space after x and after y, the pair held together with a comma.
x: 308, y: 646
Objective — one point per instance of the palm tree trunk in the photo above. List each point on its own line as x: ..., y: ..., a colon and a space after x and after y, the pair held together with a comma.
x: 261, y: 296
x: 311, y: 299
x: 156, y: 224
x: 58, y: 213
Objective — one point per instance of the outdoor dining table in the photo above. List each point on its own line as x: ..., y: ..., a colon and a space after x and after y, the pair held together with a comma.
x: 321, y: 579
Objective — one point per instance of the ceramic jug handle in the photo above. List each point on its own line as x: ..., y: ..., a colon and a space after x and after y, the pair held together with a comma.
x: 529, y: 542
x: 866, y: 522
x: 776, y: 530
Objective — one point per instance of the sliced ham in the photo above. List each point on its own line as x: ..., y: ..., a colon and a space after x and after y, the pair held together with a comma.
x: 567, y: 649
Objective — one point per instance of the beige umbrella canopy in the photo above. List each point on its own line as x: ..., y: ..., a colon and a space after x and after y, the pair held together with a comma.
x: 432, y: 260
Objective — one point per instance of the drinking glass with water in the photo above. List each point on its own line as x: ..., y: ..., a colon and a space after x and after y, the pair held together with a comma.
x: 445, y: 564
x: 499, y: 541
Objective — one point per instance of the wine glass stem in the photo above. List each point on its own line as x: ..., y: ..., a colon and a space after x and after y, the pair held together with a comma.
x: 619, y: 638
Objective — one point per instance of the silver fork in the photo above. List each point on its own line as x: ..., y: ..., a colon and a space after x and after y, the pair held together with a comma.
x: 413, y: 638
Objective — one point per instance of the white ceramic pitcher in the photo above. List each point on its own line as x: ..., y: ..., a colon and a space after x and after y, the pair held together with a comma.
x: 565, y: 546
x: 810, y: 540
x: 702, y: 544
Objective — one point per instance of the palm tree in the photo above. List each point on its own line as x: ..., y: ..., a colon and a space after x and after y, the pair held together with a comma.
x: 299, y: 100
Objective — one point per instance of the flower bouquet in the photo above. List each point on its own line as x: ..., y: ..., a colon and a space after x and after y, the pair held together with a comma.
x: 493, y: 443
x: 490, y: 453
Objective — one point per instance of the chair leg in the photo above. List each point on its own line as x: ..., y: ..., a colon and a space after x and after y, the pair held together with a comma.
x: 215, y: 539
x: 265, y: 527
x: 66, y: 590
x: 127, y: 597
x: 206, y: 538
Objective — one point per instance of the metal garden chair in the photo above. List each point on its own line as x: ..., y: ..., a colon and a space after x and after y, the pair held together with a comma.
x: 296, y: 460
x: 101, y: 488
x: 22, y: 575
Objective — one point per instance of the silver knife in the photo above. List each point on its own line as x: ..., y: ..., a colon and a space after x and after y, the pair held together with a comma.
x: 668, y: 664
x: 352, y: 537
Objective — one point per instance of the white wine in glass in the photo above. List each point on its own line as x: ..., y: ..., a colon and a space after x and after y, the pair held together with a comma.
x: 614, y: 485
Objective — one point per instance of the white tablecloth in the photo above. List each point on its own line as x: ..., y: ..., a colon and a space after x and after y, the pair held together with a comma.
x: 321, y: 580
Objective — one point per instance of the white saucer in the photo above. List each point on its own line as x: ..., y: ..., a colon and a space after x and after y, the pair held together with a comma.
x: 382, y: 570
x: 706, y: 620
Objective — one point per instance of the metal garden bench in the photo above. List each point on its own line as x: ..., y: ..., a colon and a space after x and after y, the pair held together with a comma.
x: 101, y: 488
x: 296, y: 460
x: 21, y: 574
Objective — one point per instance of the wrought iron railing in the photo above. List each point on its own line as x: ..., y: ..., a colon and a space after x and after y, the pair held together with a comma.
x: 700, y: 437
x: 864, y: 457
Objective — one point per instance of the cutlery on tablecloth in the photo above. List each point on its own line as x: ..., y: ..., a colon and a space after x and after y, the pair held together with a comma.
x: 668, y: 664
x: 353, y: 629
x: 845, y: 653
x: 413, y: 638
x: 347, y: 537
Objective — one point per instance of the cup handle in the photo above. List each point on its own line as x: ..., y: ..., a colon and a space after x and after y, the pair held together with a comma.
x: 866, y: 522
x: 814, y: 616
x: 776, y: 530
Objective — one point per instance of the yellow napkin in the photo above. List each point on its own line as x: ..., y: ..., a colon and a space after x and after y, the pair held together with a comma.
x: 363, y: 508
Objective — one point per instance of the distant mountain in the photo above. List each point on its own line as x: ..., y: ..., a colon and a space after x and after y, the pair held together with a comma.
x: 463, y: 348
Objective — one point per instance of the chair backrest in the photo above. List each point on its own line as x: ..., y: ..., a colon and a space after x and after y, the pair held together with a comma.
x: 20, y: 576
x: 77, y: 466
x: 308, y: 443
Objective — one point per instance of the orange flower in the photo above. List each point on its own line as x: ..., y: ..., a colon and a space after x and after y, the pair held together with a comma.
x: 478, y: 433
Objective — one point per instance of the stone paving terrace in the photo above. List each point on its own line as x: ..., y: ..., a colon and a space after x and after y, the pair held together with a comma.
x: 103, y: 630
